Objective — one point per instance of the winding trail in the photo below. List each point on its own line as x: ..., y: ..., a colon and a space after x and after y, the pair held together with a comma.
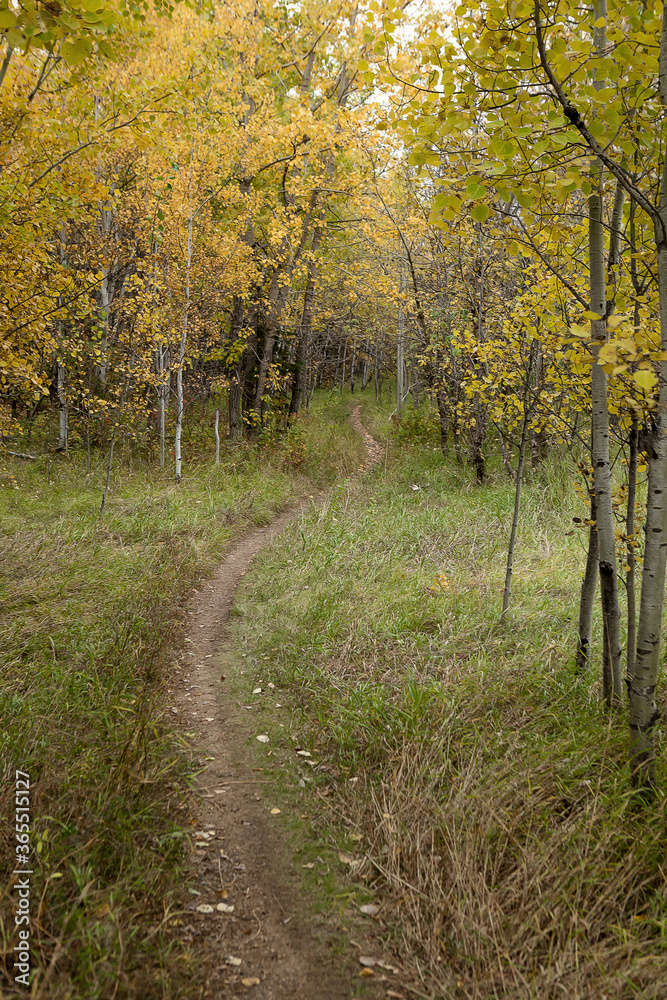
x: 280, y: 949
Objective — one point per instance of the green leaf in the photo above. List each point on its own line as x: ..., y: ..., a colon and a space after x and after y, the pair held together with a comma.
x: 7, y: 19
x: 475, y: 189
x: 74, y: 53
x: 525, y: 199
x: 480, y: 213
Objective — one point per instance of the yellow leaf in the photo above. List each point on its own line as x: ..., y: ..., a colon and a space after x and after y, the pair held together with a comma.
x: 607, y: 354
x: 645, y: 380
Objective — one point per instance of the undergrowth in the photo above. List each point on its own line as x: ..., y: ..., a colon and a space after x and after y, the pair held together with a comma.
x: 485, y: 784
x: 88, y: 626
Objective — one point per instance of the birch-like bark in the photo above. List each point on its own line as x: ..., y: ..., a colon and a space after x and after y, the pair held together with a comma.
x: 217, y: 438
x: 611, y: 615
x: 630, y: 575
x: 587, y: 599
x: 642, y: 682
x: 163, y: 356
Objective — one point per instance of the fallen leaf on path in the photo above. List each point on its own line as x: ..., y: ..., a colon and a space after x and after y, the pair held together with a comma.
x: 367, y: 972
x: 304, y: 753
x: 367, y: 961
x: 263, y: 738
x: 370, y: 909
x: 209, y: 720
x: 232, y: 960
x: 345, y: 858
x: 311, y: 864
x: 224, y: 908
x: 204, y: 908
x: 250, y: 981
x: 257, y: 691
x: 274, y: 812
x: 356, y: 836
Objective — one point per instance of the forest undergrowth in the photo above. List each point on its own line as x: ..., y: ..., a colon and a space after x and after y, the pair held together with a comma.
x: 90, y: 615
x: 478, y: 786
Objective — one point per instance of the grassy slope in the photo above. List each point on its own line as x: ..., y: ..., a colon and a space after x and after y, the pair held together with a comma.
x: 486, y: 782
x: 89, y: 611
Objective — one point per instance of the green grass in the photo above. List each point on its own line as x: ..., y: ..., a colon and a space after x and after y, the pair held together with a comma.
x: 488, y: 784
x: 88, y: 625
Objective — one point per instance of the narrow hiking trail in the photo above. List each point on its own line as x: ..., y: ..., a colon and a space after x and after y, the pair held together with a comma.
x: 271, y: 945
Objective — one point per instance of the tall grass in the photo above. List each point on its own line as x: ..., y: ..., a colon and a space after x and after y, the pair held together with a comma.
x: 486, y: 781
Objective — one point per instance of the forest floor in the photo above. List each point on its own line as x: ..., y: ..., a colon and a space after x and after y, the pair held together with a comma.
x: 247, y: 922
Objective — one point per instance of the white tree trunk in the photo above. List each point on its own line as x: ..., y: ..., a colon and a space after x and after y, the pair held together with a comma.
x: 644, y: 712
x: 611, y: 615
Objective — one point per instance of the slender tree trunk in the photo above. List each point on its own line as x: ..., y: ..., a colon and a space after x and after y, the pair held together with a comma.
x: 611, y: 615
x: 587, y: 599
x: 342, y: 381
x: 630, y: 546
x: 642, y: 683
x: 217, y: 437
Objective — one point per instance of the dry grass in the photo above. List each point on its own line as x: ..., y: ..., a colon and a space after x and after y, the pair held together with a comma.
x: 487, y: 784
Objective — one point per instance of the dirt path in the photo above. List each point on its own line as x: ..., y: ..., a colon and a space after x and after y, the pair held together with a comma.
x: 270, y: 946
